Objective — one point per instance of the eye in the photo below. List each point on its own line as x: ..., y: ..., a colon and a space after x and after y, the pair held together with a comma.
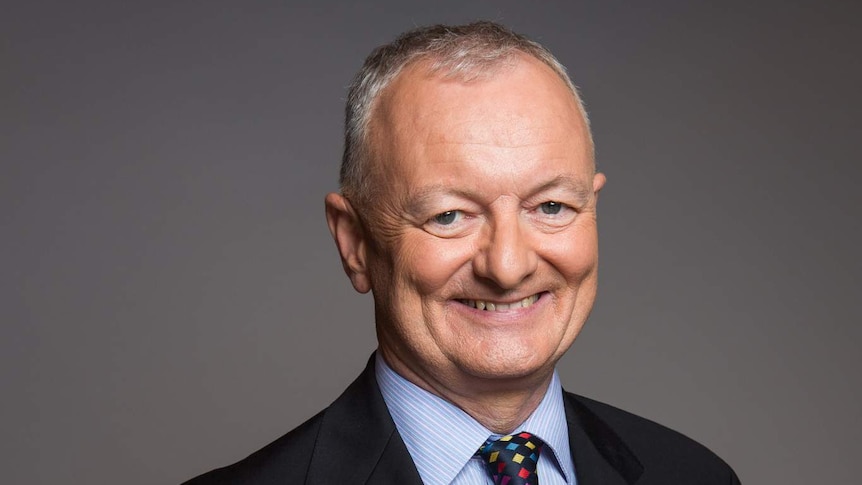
x: 450, y: 224
x: 550, y: 207
x: 448, y: 217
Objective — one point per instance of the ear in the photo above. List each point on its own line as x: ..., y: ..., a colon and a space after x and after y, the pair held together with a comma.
x: 599, y: 180
x: 347, y: 231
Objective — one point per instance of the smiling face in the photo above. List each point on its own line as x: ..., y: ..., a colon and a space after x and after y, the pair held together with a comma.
x: 480, y: 247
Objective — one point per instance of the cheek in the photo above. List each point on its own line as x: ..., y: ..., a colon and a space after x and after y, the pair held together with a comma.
x: 430, y: 263
x: 573, y: 253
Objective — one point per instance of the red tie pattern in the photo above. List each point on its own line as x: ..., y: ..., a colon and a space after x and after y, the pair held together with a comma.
x: 512, y: 459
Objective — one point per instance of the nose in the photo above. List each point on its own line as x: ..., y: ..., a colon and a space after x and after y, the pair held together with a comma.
x: 506, y: 256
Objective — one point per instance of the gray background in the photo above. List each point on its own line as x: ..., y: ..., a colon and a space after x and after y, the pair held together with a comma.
x: 171, y: 300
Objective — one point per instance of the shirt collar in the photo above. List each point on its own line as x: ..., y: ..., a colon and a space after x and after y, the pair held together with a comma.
x: 425, y: 422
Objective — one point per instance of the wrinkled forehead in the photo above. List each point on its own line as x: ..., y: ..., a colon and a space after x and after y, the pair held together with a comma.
x: 516, y: 100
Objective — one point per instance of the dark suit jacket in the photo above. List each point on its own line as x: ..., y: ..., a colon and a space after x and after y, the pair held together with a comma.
x: 354, y: 441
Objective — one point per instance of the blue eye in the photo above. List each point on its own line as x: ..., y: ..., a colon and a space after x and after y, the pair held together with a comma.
x: 551, y: 207
x: 446, y: 218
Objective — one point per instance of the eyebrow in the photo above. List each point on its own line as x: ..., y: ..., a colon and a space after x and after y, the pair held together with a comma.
x: 581, y: 192
x: 417, y: 201
x: 420, y: 198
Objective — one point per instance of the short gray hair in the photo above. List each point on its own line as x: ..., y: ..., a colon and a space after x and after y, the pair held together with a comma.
x: 463, y: 51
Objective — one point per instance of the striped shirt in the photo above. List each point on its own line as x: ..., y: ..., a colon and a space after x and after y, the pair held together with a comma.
x: 442, y: 439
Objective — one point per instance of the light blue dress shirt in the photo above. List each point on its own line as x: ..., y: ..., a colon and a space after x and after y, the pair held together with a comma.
x: 442, y: 439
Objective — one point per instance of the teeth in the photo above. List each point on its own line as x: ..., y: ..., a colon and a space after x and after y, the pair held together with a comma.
x: 500, y: 307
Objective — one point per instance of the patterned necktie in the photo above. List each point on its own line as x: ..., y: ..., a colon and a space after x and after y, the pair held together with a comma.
x: 511, y: 460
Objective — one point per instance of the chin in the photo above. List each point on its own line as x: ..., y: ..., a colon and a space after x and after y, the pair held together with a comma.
x: 508, y: 363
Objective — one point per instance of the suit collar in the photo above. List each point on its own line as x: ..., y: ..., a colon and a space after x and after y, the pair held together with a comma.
x: 358, y: 442
x: 600, y: 455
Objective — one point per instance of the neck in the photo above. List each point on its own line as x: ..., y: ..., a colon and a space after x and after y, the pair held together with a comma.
x: 501, y: 412
x: 500, y: 405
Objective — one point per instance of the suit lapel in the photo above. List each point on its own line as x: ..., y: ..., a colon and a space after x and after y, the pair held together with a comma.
x: 395, y: 465
x: 358, y: 442
x: 600, y: 456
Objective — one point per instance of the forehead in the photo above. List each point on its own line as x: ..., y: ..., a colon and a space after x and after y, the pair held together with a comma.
x: 521, y: 111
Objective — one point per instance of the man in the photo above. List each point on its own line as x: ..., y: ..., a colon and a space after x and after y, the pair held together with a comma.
x: 468, y: 209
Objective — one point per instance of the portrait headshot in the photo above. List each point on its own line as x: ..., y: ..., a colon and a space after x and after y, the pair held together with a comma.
x: 452, y: 243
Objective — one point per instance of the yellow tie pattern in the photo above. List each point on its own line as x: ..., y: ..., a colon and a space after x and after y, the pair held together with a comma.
x: 512, y: 459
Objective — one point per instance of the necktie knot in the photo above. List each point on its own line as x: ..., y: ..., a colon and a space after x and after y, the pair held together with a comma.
x: 512, y: 459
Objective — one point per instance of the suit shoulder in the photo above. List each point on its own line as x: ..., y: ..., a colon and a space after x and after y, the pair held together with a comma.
x: 288, y: 456
x: 662, y: 451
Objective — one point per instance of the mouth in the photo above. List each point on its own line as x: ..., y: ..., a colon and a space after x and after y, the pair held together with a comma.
x: 495, y: 306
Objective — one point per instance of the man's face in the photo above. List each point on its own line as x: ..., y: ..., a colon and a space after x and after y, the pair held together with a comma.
x: 480, y: 248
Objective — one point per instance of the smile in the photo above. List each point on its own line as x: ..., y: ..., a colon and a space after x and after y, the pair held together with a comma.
x: 490, y: 306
